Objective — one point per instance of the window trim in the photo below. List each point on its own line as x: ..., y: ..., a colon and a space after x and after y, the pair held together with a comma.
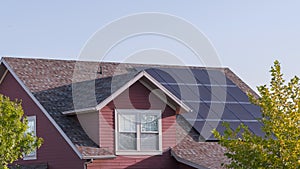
x: 138, y: 151
x: 33, y: 157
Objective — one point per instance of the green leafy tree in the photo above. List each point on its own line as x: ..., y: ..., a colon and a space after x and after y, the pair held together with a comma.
x: 280, y: 147
x: 14, y: 140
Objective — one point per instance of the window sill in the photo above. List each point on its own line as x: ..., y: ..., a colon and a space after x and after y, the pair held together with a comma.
x: 141, y: 153
x: 30, y: 158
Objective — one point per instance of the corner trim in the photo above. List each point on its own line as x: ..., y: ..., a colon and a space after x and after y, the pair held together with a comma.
x: 2, y: 78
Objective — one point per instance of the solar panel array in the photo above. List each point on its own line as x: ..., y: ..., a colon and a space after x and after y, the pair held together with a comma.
x: 213, y: 98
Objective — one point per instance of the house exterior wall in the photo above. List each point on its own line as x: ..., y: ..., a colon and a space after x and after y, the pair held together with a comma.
x: 137, y: 97
x: 55, y: 151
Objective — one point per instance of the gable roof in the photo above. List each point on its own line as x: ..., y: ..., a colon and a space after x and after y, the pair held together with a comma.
x: 120, y: 84
x: 51, y: 82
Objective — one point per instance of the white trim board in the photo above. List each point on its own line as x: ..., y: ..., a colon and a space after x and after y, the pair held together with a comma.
x: 3, y: 76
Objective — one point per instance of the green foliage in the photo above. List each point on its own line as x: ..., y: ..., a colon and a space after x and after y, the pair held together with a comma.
x: 280, y: 147
x: 14, y: 142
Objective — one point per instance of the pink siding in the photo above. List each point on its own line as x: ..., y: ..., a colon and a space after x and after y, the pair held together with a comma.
x: 55, y: 151
x: 139, y: 99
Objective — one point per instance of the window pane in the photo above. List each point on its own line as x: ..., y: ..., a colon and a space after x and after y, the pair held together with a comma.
x: 127, y: 141
x: 149, y: 122
x: 149, y: 141
x: 127, y: 123
x: 30, y: 128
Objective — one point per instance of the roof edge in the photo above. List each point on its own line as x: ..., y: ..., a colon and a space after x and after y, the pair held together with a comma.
x: 99, y: 157
x: 186, y: 162
x: 80, y: 111
x: 239, y: 82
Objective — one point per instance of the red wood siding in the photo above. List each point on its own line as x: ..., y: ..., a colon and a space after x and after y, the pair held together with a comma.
x: 138, y: 99
x: 55, y: 150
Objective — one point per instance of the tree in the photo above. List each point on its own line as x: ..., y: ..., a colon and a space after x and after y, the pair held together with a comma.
x: 14, y: 140
x: 280, y: 147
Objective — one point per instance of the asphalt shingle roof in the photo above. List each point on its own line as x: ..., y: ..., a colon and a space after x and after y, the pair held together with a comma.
x: 51, y: 82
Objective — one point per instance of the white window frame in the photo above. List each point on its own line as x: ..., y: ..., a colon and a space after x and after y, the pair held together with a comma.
x: 34, y: 156
x: 138, y: 132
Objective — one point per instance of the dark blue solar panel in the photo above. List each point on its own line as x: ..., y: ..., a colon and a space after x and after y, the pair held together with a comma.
x: 205, y: 93
x: 205, y: 128
x: 188, y: 92
x: 198, y: 125
x: 228, y: 115
x: 219, y: 77
x: 255, y: 127
x: 220, y: 128
x: 211, y: 77
x: 156, y: 76
x: 234, y: 125
x: 201, y: 76
x: 209, y: 92
x: 184, y: 76
x: 174, y: 89
x: 161, y: 75
x: 191, y: 116
x: 254, y: 110
x: 237, y: 94
x: 199, y: 108
x: 240, y: 111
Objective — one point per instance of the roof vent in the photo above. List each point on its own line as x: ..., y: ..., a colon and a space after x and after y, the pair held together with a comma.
x: 99, y: 71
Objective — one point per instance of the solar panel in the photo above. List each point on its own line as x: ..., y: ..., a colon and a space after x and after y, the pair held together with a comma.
x: 174, y: 89
x: 255, y: 128
x: 160, y: 75
x: 220, y: 128
x: 212, y: 97
x: 254, y: 110
x: 186, y: 92
x: 205, y: 92
x: 240, y: 111
x: 211, y: 77
x: 228, y: 115
x: 201, y: 76
x: 237, y: 94
x: 201, y: 110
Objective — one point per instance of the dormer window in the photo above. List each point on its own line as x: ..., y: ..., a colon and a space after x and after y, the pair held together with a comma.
x: 138, y: 132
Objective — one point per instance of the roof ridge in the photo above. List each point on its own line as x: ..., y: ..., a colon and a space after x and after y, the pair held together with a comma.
x: 125, y: 63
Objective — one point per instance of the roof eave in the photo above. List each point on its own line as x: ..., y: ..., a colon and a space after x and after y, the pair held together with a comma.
x: 99, y: 157
x: 79, y: 111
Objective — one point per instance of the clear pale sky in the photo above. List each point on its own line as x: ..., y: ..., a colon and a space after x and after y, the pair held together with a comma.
x: 248, y: 36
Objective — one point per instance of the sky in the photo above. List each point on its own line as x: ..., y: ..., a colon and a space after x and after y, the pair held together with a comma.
x: 247, y: 36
